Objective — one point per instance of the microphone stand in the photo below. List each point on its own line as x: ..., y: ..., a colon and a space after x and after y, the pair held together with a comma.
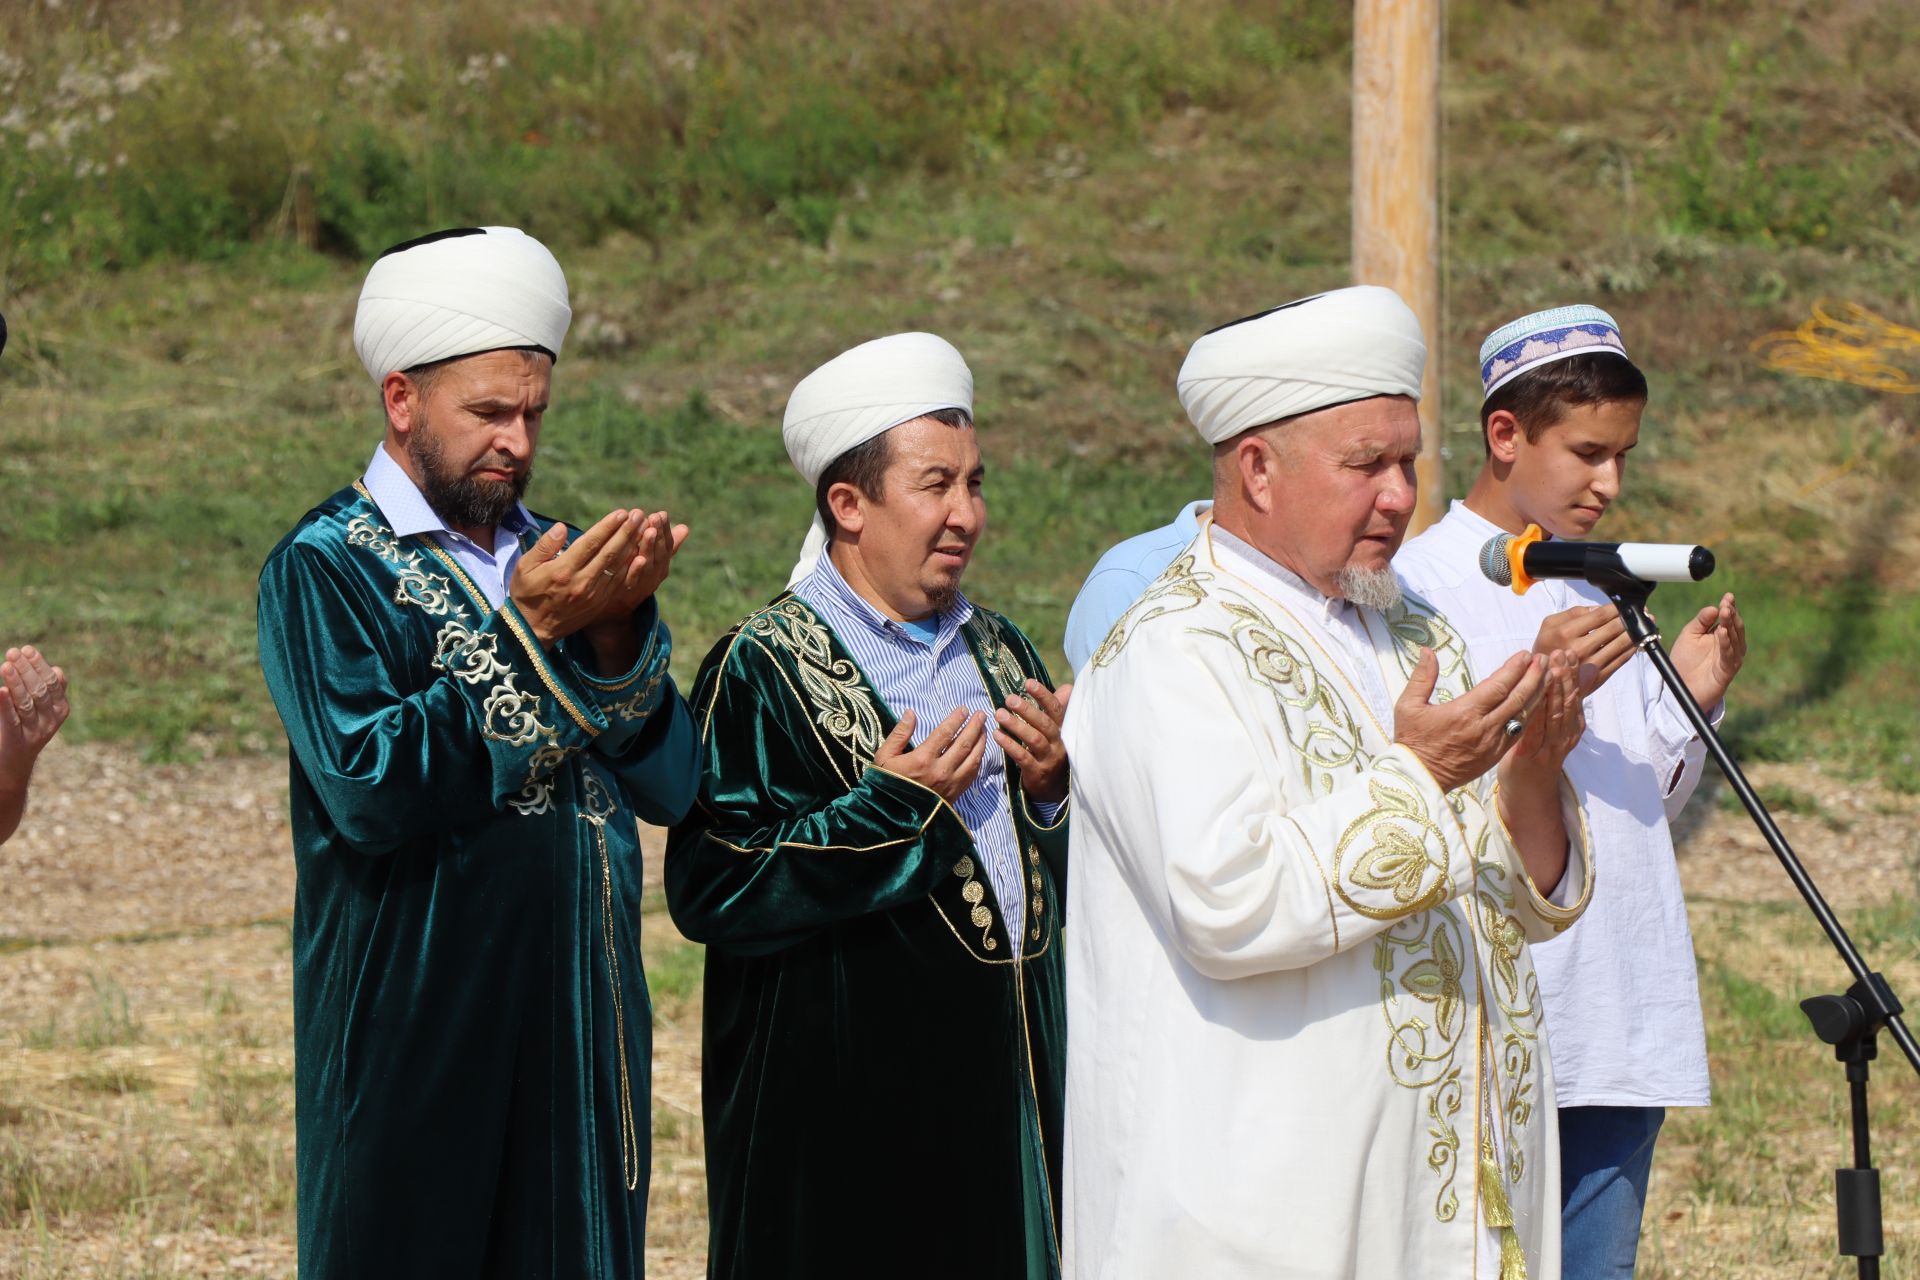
x: 1851, y: 1023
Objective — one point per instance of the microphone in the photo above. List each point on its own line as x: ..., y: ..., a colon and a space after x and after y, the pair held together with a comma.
x: 1519, y: 562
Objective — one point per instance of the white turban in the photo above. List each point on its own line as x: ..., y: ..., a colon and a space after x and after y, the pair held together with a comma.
x: 458, y: 293
x: 1329, y: 349
x: 863, y: 393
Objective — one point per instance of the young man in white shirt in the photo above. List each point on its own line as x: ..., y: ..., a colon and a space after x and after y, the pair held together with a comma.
x: 1562, y: 410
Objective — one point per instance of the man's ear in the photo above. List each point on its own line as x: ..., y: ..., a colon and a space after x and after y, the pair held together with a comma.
x: 401, y: 396
x: 1504, y: 435
x: 1254, y: 459
x: 848, y: 505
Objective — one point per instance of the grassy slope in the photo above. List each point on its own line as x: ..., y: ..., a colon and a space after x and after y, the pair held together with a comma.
x: 166, y: 423
x: 1706, y: 171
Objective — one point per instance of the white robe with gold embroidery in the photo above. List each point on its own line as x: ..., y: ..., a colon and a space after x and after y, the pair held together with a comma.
x: 1303, y: 1030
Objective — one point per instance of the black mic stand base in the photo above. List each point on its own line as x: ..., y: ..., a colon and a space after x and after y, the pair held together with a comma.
x: 1850, y: 1023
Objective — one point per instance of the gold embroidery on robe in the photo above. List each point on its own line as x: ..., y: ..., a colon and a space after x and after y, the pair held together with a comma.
x: 841, y: 704
x: 1398, y: 849
x: 1179, y: 588
x: 509, y: 714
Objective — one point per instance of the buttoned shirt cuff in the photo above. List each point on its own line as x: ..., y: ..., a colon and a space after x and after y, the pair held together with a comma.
x: 1675, y: 744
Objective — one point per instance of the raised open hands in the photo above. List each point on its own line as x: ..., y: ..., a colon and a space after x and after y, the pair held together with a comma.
x: 33, y: 706
x: 1029, y: 732
x: 1710, y: 649
x: 1594, y: 635
x: 608, y: 572
x: 1462, y: 739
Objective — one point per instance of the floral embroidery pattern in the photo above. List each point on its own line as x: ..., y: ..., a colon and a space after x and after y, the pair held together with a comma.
x: 1391, y: 865
x: 537, y: 796
x: 471, y: 658
x: 996, y: 655
x: 1179, y: 588
x: 975, y: 894
x: 643, y: 703
x: 842, y: 705
x: 509, y: 714
x: 1320, y: 727
x: 1512, y: 1066
x: 1404, y: 852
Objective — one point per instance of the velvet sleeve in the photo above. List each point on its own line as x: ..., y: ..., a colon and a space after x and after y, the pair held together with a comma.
x: 649, y: 742
x: 390, y: 762
x: 775, y: 848
x: 1046, y: 824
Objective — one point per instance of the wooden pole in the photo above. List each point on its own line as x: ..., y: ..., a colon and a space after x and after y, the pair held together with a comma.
x: 1396, y: 189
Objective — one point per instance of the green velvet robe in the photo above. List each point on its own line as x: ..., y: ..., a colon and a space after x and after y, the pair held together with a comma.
x: 882, y: 1081
x: 471, y: 1024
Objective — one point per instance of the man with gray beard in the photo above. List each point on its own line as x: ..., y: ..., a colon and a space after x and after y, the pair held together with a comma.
x: 1309, y: 852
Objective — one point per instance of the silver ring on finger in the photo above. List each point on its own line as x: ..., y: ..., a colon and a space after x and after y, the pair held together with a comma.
x: 1514, y: 726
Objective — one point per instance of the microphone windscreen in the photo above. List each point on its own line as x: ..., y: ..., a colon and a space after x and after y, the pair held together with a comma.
x: 1494, y: 562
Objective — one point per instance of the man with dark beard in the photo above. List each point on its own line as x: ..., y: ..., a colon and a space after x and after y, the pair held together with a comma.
x: 479, y: 711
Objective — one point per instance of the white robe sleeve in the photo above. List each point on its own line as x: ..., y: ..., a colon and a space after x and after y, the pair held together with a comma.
x: 1544, y: 915
x: 1249, y: 860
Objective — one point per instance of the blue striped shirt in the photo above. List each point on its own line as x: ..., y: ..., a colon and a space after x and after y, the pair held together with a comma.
x: 932, y: 679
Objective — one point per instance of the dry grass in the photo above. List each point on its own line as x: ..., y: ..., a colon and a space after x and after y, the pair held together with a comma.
x: 145, y: 1081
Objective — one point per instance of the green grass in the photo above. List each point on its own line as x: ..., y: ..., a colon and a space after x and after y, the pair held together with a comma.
x: 189, y: 130
x: 1070, y: 190
x: 1744, y: 1187
x: 675, y: 968
x: 1828, y: 677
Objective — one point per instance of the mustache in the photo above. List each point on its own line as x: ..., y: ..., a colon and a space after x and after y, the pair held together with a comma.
x: 500, y: 462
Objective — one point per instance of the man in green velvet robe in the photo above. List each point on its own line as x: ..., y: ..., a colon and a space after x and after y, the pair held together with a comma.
x: 878, y: 877
x: 479, y: 715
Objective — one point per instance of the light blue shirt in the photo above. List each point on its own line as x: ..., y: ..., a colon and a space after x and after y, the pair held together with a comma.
x: 1120, y: 576
x: 407, y: 513
x: 933, y: 676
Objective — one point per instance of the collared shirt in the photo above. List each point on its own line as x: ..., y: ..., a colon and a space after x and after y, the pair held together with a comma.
x: 1119, y: 577
x: 1623, y: 1005
x: 931, y: 679
x: 407, y: 512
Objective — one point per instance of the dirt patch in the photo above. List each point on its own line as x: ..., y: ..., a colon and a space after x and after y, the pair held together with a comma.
x: 1859, y: 841
x: 112, y: 846
x: 146, y: 1037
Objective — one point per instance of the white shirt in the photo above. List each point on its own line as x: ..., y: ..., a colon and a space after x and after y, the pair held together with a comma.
x: 1623, y: 1001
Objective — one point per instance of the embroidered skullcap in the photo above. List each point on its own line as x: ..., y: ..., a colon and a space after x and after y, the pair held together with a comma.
x: 1542, y: 338
x: 459, y: 293
x: 861, y: 393
x: 1332, y: 348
